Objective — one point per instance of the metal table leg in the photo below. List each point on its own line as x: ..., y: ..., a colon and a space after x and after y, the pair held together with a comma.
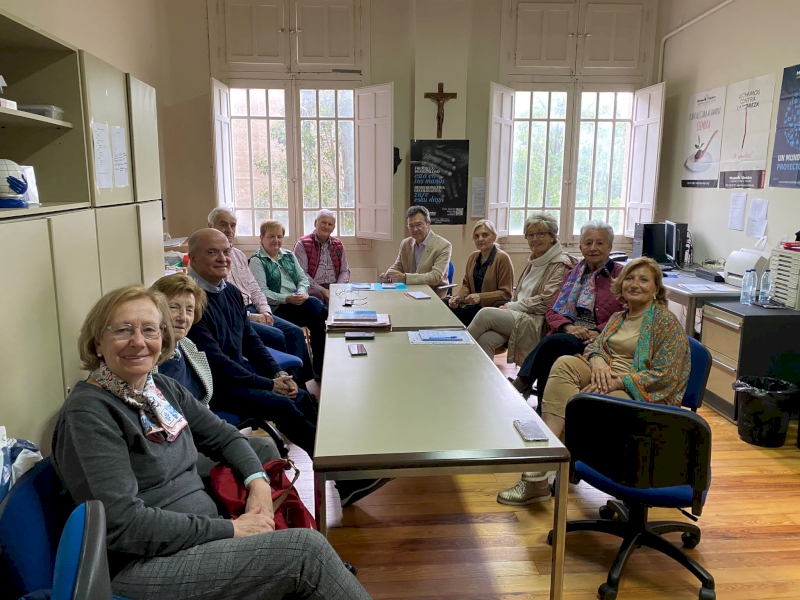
x: 559, y: 532
x: 321, y: 503
x: 691, y: 314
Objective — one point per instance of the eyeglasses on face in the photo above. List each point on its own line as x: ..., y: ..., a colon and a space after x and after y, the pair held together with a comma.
x: 124, y: 331
x: 539, y: 234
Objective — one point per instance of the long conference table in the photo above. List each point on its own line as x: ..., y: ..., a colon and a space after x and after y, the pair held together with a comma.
x: 408, y: 410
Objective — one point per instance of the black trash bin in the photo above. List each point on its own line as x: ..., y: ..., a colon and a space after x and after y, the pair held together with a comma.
x: 764, y: 407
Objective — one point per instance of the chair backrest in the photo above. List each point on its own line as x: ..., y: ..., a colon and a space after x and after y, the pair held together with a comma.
x: 640, y: 445
x: 698, y: 376
x: 450, y: 272
x: 81, y: 568
x: 31, y: 519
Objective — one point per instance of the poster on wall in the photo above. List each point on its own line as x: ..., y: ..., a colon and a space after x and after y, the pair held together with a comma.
x: 439, y: 181
x: 785, y: 171
x: 745, y: 133
x: 703, y: 139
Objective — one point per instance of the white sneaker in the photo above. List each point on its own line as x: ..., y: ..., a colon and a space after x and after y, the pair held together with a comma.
x: 525, y: 493
x: 534, y: 476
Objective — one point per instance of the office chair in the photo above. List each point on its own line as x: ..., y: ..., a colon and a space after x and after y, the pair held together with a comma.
x: 450, y: 285
x: 255, y: 423
x: 645, y: 455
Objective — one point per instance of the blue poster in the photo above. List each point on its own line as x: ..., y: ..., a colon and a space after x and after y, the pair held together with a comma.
x: 786, y: 153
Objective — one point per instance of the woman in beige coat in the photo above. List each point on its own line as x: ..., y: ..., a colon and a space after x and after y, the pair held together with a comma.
x: 520, y: 323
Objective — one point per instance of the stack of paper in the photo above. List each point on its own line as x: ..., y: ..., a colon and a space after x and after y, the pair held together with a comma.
x: 355, y: 315
x: 417, y: 295
x: 381, y: 321
x: 360, y: 286
x: 434, y: 336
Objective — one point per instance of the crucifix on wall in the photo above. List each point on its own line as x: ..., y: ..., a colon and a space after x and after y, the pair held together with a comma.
x: 440, y: 98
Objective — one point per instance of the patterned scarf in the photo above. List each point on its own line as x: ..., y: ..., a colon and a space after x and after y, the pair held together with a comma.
x: 160, y: 421
x: 576, y: 293
x: 644, y: 345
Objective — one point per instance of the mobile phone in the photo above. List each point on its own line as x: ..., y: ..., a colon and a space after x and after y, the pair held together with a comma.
x: 359, y: 335
x: 530, y: 431
x: 389, y: 286
x: 357, y: 349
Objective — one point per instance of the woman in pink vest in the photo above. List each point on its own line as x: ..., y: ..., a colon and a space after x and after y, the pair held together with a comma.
x: 322, y: 256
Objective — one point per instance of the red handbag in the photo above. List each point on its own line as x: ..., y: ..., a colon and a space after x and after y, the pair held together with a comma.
x: 290, y: 512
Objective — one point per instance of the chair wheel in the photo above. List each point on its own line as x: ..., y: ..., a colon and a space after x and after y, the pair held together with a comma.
x: 606, y: 512
x: 707, y: 594
x: 690, y: 541
x: 550, y: 538
x: 606, y: 592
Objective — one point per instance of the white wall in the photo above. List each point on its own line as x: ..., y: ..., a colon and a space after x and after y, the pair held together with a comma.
x: 747, y: 38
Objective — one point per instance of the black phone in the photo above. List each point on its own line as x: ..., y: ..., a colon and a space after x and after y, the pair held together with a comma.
x: 357, y: 349
x: 359, y: 335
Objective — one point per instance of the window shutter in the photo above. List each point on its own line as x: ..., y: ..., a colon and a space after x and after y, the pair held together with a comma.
x: 498, y: 160
x: 223, y: 155
x: 374, y: 110
x: 648, y: 119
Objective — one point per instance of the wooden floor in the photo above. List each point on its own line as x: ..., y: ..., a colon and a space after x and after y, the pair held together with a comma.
x: 447, y: 537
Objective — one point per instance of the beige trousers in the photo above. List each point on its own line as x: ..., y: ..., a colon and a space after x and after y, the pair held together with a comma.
x: 569, y: 375
x: 492, y: 328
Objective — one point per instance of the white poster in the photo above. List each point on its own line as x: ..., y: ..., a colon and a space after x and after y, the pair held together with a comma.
x: 478, y: 198
x: 120, y: 156
x: 103, y: 161
x: 745, y: 135
x: 703, y: 139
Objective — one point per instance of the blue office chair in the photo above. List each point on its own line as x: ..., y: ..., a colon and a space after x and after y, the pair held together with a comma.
x: 698, y: 376
x: 255, y: 423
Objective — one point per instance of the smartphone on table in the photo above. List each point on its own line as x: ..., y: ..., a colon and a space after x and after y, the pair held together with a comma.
x: 359, y: 335
x: 357, y: 349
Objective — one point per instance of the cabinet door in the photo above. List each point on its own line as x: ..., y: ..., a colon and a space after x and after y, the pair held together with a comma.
x: 151, y: 238
x: 326, y: 35
x: 73, y: 241
x: 30, y: 353
x: 545, y: 38
x: 105, y: 99
x: 254, y: 34
x: 146, y: 161
x: 610, y: 39
x: 118, y: 246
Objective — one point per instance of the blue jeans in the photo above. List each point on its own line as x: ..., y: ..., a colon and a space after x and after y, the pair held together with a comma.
x: 312, y: 314
x: 285, y: 337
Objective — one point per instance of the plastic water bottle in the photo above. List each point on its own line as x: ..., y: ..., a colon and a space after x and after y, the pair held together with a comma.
x: 748, y: 287
x: 765, y: 291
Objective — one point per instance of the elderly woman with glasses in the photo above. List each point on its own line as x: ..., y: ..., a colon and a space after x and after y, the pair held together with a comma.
x: 130, y: 438
x: 521, y: 322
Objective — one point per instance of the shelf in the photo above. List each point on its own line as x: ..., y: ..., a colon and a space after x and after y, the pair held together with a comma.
x: 41, y: 209
x: 18, y: 118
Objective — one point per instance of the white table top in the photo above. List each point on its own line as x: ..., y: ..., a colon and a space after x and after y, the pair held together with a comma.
x: 405, y: 406
x: 673, y: 285
x: 407, y: 314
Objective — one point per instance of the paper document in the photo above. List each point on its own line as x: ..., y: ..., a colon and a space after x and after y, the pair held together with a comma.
x: 417, y: 295
x: 103, y: 161
x: 757, y: 217
x: 120, y: 156
x: 736, y: 214
x: 355, y: 315
x: 707, y: 287
x: 479, y: 197
x: 360, y: 286
x: 455, y: 336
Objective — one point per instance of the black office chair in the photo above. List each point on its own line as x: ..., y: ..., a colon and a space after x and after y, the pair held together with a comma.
x: 645, y: 455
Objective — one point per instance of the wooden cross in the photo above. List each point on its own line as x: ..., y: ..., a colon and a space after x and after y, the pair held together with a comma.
x: 440, y: 98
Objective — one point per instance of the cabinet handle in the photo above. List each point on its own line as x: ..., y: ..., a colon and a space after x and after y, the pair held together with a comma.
x: 588, y: 35
x: 723, y: 365
x: 725, y: 322
x: 570, y: 35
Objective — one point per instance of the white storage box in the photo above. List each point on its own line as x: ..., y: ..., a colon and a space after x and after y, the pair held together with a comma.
x: 45, y: 110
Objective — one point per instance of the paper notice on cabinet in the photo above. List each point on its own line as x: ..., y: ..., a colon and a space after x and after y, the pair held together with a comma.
x: 120, y: 157
x: 478, y: 197
x: 757, y: 217
x: 103, y: 161
x: 736, y: 214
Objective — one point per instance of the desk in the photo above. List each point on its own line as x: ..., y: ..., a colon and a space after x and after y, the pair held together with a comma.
x: 406, y: 313
x: 453, y: 416
x: 694, y: 299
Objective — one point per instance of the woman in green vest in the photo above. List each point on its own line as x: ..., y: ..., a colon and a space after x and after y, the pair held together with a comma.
x: 285, y: 285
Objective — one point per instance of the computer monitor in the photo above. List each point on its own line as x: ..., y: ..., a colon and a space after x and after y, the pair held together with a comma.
x: 648, y: 240
x: 675, y: 241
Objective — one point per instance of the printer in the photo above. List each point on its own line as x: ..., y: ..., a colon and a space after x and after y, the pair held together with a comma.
x: 741, y: 261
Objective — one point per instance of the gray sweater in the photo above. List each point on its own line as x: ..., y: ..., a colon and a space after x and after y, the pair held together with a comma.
x: 154, y: 499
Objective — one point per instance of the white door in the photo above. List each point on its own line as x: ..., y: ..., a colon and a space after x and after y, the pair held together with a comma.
x: 145, y: 161
x: 544, y: 37
x: 498, y: 156
x: 610, y: 38
x: 326, y: 35
x: 223, y: 160
x: 254, y: 34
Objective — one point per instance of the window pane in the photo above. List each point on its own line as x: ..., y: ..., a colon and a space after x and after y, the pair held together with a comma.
x: 241, y: 192
x: 277, y: 103
x: 308, y: 147
x: 327, y: 103
x: 261, y: 216
x: 308, y: 221
x: 583, y: 185
x: 615, y: 220
x: 602, y: 164
x: 258, y: 135
x: 241, y: 162
x: 347, y: 179
x: 537, y: 167
x: 599, y: 215
x: 624, y: 105
x: 618, y: 165
x: 258, y: 103
x: 588, y: 105
x: 558, y: 107
x: 517, y: 219
x: 555, y: 163
x: 345, y: 103
x: 308, y: 103
x: 581, y: 216
x: 283, y: 217
x: 238, y: 102
x: 244, y: 222
x: 606, y: 107
x: 522, y: 105
x: 327, y: 160
x: 540, y: 105
x: 519, y: 163
x: 346, y: 223
x: 280, y: 168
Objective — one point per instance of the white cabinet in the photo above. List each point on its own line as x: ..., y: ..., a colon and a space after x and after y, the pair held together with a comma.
x: 146, y: 163
x: 325, y: 35
x: 544, y: 37
x: 253, y: 34
x: 151, y: 240
x: 610, y: 38
x: 118, y: 245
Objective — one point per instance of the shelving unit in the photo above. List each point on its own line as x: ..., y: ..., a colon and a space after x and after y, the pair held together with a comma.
x: 10, y: 117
